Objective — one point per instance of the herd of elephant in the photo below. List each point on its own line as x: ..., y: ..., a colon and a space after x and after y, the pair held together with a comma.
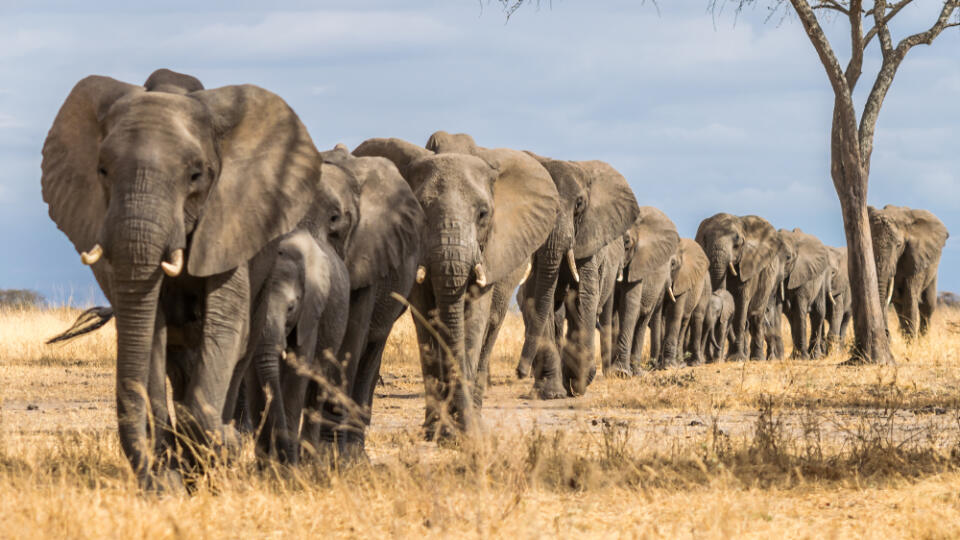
x: 261, y: 277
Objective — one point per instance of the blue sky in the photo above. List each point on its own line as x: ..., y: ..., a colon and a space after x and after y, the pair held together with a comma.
x: 701, y: 113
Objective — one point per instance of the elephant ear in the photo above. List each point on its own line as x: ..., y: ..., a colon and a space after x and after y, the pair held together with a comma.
x: 71, y: 153
x: 269, y: 172
x: 760, y: 244
x: 390, y: 225
x: 656, y: 240
x: 612, y: 208
x: 694, y: 268
x: 926, y: 236
x: 525, y: 206
x: 403, y: 154
x: 442, y: 142
x: 165, y: 80
x: 812, y: 260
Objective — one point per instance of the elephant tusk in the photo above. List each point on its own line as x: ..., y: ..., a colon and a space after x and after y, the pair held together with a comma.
x: 889, y: 292
x: 620, y: 277
x: 90, y: 257
x: 526, y: 274
x: 283, y: 354
x: 830, y: 299
x: 783, y: 293
x: 572, y: 261
x: 670, y: 292
x: 732, y: 269
x: 421, y: 273
x: 481, y: 275
x: 175, y: 266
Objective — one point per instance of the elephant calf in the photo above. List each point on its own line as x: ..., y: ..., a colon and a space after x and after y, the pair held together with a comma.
x: 306, y: 284
x: 716, y: 322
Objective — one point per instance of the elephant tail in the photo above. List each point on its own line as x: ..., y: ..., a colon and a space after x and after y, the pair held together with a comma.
x: 88, y: 321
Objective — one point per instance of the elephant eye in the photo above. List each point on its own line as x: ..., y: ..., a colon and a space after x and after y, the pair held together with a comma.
x: 102, y: 171
x: 334, y: 218
x: 196, y: 176
x: 581, y: 203
x: 483, y: 214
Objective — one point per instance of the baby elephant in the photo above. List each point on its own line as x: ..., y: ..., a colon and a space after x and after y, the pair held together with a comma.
x: 716, y: 322
x: 300, y: 316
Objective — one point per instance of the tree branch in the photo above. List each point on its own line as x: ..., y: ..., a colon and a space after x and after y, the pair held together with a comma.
x: 831, y: 4
x: 894, y: 9
x: 888, y: 69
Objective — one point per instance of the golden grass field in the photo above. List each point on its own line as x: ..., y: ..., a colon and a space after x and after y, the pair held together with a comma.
x: 787, y: 449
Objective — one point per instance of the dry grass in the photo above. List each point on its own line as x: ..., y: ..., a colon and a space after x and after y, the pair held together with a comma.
x: 794, y: 449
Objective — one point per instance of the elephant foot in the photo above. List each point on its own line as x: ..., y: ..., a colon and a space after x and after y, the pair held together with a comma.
x: 618, y: 371
x: 545, y: 390
x: 523, y: 370
x: 352, y: 452
x: 737, y: 357
x: 696, y: 362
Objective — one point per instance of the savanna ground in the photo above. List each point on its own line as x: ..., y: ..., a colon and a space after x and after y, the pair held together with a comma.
x: 791, y: 449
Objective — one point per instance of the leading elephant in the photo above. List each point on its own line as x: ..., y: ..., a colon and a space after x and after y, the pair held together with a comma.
x: 167, y: 191
x: 597, y: 208
x: 906, y: 246
x: 743, y: 253
x: 486, y: 213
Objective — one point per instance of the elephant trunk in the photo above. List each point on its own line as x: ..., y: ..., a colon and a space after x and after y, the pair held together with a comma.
x: 720, y: 262
x: 268, y: 353
x: 136, y: 235
x: 450, y: 269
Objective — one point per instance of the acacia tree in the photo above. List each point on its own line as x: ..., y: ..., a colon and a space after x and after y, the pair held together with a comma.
x: 852, y: 134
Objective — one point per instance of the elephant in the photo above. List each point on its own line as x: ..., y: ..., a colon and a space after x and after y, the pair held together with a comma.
x: 486, y: 212
x: 906, y: 248
x: 382, y: 249
x: 597, y: 208
x: 743, y: 253
x: 297, y: 316
x: 804, y: 290
x: 839, y: 301
x: 772, y: 319
x: 163, y: 171
x: 651, y: 245
x: 716, y: 324
x: 684, y: 305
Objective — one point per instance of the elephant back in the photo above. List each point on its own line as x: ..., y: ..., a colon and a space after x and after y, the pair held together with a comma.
x: 650, y: 243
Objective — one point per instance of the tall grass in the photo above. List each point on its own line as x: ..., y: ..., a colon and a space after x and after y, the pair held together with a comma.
x: 790, y: 448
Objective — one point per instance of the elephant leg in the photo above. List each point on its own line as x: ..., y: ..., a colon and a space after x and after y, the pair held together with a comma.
x: 630, y: 304
x: 656, y: 334
x: 817, y: 320
x: 476, y: 315
x: 757, y: 334
x: 224, y: 341
x: 498, y: 311
x: 695, y: 328
x: 672, y: 324
x: 606, y: 333
x: 294, y: 397
x: 928, y: 303
x: 161, y: 429
x: 431, y: 366
x: 739, y: 351
x: 275, y: 435
x: 548, y: 382
x: 363, y: 390
x: 910, y: 318
x: 341, y: 371
x: 578, y: 356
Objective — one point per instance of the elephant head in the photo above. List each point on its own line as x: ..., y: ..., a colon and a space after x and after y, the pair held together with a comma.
x: 152, y: 183
x: 485, y: 212
x: 649, y: 244
x: 839, y: 278
x: 737, y: 246
x: 899, y: 232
